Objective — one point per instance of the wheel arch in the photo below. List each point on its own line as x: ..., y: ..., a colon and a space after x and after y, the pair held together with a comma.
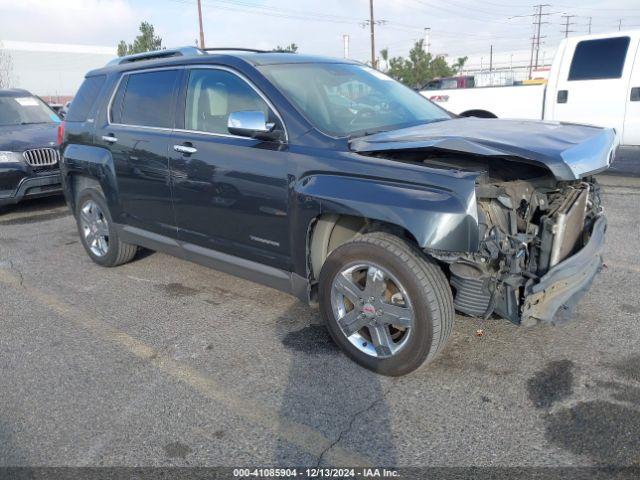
x: 329, y: 231
x: 479, y: 113
x: 86, y: 166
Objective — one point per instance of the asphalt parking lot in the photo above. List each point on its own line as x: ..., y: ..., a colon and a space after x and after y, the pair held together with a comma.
x: 163, y: 362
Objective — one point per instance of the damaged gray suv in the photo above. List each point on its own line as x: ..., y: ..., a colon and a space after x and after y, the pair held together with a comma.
x: 328, y: 180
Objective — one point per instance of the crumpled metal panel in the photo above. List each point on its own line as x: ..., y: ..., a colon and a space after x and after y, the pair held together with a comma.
x: 569, y: 151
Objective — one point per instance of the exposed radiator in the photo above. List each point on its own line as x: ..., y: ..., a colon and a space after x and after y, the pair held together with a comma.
x: 563, y: 227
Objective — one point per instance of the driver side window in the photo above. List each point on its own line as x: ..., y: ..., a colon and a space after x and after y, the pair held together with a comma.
x: 214, y: 94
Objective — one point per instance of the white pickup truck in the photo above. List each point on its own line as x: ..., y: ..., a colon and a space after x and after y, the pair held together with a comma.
x: 594, y: 79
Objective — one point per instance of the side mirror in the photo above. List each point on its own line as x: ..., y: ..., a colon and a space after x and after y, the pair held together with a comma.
x: 252, y: 124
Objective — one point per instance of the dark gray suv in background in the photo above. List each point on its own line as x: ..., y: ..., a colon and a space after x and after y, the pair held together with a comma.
x: 29, y: 164
x: 329, y: 180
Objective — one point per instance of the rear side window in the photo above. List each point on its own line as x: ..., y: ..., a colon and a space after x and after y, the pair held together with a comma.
x: 85, y: 98
x: 599, y: 59
x: 147, y: 99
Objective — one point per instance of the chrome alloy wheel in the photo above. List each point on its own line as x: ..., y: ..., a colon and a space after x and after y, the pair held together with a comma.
x: 372, y: 309
x: 95, y: 228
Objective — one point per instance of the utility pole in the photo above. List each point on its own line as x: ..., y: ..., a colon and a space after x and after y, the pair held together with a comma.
x: 491, y: 59
x: 200, y: 23
x: 619, y: 24
x: 567, y: 24
x: 590, y: 19
x: 533, y: 43
x: 345, y: 40
x: 372, y: 24
x: 538, y: 24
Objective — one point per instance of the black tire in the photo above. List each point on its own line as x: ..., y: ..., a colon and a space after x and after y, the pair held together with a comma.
x: 425, y: 284
x: 118, y: 252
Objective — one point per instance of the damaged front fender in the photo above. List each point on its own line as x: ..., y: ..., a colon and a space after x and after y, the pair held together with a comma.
x: 438, y: 218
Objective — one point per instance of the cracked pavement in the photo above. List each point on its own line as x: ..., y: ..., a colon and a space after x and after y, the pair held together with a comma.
x: 163, y: 362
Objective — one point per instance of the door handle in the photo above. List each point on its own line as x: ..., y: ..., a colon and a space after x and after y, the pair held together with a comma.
x: 110, y: 138
x: 563, y: 96
x: 185, y: 149
x: 635, y: 94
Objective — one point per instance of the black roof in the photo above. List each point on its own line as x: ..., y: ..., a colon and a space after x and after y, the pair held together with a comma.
x: 191, y: 55
x: 15, y: 92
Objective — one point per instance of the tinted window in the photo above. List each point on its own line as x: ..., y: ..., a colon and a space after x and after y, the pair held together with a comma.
x: 116, y: 105
x: 24, y: 111
x: 598, y: 59
x: 85, y: 98
x: 213, y: 94
x: 449, y: 83
x: 149, y: 99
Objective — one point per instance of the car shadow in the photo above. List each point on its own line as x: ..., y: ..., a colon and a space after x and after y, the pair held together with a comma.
x: 333, y: 395
x: 33, y: 206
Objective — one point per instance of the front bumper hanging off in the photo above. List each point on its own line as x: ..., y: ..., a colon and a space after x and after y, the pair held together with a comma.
x: 554, y: 297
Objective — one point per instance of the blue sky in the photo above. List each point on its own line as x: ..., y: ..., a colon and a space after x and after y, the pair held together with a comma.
x: 458, y: 26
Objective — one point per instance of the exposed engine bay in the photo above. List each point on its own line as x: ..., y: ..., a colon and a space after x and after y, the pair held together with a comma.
x: 528, y: 224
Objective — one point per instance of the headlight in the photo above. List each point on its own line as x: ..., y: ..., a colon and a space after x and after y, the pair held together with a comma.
x: 10, y: 157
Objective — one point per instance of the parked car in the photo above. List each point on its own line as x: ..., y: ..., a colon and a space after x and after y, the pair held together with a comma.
x: 56, y: 107
x: 29, y: 156
x: 389, y: 215
x: 64, y: 110
x: 594, y: 79
x: 461, y: 81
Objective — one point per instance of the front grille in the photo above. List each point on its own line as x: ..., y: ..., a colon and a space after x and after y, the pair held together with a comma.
x: 41, y: 158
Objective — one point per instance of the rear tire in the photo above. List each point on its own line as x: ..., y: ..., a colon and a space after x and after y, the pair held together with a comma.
x: 98, y: 233
x: 402, y: 328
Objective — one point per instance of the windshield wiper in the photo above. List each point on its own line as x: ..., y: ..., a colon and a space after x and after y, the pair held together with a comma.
x: 367, y: 133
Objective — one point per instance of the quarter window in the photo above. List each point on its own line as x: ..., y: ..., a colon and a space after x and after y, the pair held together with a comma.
x: 148, y: 99
x: 85, y: 98
x: 599, y: 59
x: 213, y: 94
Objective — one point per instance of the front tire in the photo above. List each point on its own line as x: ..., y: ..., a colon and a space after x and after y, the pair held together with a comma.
x: 98, y: 233
x: 385, y: 304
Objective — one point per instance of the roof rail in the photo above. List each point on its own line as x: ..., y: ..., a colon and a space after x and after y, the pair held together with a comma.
x: 234, y: 49
x: 174, y: 52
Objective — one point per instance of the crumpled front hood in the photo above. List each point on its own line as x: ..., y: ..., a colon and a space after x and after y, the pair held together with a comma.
x: 569, y: 151
x: 18, y: 138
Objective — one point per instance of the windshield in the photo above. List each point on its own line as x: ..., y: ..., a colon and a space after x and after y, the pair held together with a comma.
x: 347, y: 100
x: 24, y: 111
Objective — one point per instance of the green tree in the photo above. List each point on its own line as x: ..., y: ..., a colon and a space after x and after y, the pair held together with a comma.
x: 147, y: 41
x: 459, y: 65
x: 291, y: 48
x: 419, y: 68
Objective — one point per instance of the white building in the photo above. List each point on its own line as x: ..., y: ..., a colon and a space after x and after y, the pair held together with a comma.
x: 51, y: 70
